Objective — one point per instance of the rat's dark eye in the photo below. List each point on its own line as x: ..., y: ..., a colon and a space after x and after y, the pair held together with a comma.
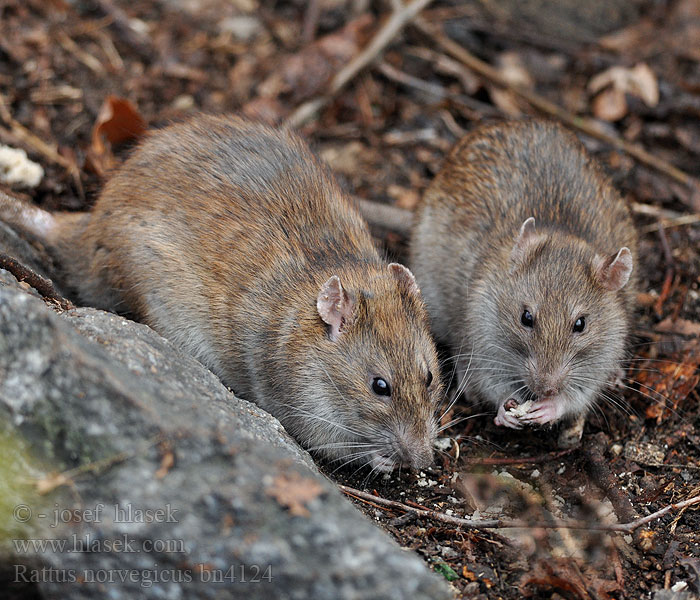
x: 381, y: 387
x: 527, y: 319
x: 429, y: 379
x: 580, y: 324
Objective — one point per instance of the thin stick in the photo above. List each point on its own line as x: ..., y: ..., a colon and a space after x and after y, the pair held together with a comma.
x: 395, y: 74
x: 513, y: 523
x: 692, y: 219
x: 393, y: 26
x: 386, y: 216
x: 313, y: 11
x: 582, y: 124
x: 601, y: 474
x: 526, y: 460
x: 42, y: 285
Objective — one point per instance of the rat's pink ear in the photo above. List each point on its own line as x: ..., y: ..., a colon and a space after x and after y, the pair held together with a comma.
x: 334, y: 306
x: 614, y: 271
x: 405, y: 278
x: 526, y: 237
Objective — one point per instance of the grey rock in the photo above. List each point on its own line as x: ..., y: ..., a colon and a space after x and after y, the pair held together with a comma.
x: 17, y: 247
x: 112, y: 402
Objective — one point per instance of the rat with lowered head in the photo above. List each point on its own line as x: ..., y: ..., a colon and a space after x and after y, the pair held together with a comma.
x: 524, y: 253
x: 231, y: 239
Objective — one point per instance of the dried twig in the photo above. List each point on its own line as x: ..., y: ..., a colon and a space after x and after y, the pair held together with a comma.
x: 691, y: 219
x: 599, y: 469
x: 42, y: 285
x: 136, y: 40
x: 386, y: 216
x: 525, y: 460
x: 514, y: 523
x: 399, y: 76
x: 81, y: 55
x: 396, y: 22
x: 582, y: 124
x: 313, y: 12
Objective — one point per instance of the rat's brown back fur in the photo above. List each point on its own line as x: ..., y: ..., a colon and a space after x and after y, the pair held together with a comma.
x: 219, y: 233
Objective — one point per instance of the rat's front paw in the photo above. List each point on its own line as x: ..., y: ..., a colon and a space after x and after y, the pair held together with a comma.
x: 542, y: 412
x: 507, y: 417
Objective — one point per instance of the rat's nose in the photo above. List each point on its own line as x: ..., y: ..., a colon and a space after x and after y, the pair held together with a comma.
x: 415, y: 457
x: 546, y: 387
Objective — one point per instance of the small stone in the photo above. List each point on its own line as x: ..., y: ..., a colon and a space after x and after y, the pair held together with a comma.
x: 17, y: 169
x: 244, y: 27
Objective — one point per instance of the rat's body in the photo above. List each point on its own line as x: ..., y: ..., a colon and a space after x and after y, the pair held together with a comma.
x: 535, y: 310
x: 233, y: 241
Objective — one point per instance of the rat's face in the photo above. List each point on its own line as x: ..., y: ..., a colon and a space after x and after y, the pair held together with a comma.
x: 372, y: 380
x: 553, y: 334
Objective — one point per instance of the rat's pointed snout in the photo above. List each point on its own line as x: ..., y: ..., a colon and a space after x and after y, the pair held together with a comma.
x: 415, y: 455
x: 548, y: 384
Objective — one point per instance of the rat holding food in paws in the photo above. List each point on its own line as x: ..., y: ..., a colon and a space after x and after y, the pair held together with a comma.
x: 524, y: 253
x: 232, y: 240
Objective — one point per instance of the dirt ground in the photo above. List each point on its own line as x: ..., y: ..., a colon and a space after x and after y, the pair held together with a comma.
x: 80, y: 80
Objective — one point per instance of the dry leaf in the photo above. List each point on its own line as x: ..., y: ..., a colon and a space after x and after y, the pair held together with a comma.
x: 515, y: 73
x: 630, y: 39
x: 294, y: 491
x: 403, y: 197
x: 610, y: 105
x: 118, y: 121
x: 679, y: 326
x: 51, y: 482
x: 308, y: 72
x: 506, y: 101
x: 166, y: 464
x: 668, y: 382
x: 559, y: 574
x: 346, y: 159
x: 511, y: 67
x: 638, y: 81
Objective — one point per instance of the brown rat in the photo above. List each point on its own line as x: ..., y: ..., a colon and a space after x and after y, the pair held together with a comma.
x: 232, y: 240
x: 524, y: 253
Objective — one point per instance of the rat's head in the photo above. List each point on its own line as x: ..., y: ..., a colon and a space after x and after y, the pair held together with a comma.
x: 371, y: 377
x: 554, y: 325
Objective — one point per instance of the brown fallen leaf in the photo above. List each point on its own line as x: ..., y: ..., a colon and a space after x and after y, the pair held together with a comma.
x: 307, y: 73
x: 566, y: 575
x: 51, y: 482
x: 630, y: 39
x: 118, y: 121
x: 557, y: 574
x: 667, y: 383
x: 679, y: 327
x: 166, y: 463
x: 638, y: 81
x: 294, y: 492
x: 610, y: 105
x: 614, y: 83
x: 403, y: 197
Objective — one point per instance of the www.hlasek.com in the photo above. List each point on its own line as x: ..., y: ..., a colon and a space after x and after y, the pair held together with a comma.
x: 90, y: 543
x: 145, y: 577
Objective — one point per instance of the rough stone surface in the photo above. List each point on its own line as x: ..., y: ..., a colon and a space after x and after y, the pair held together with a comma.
x: 90, y: 388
